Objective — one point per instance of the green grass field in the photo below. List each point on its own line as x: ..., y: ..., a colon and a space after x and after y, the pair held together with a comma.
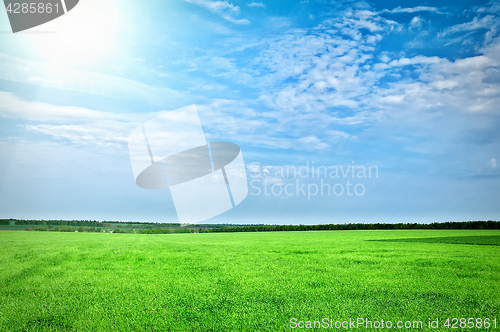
x: 245, y: 281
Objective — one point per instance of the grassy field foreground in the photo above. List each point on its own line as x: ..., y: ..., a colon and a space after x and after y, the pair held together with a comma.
x: 244, y: 281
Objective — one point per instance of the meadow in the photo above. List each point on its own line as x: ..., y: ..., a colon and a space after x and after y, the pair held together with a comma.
x: 54, y: 281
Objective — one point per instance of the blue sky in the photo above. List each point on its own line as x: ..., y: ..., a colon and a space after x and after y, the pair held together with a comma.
x: 413, y: 90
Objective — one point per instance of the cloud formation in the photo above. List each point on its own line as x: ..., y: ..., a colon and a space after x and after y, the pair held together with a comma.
x: 256, y: 4
x: 411, y: 10
x: 224, y: 9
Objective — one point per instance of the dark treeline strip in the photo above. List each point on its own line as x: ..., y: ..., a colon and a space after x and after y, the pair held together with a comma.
x: 51, y: 228
x: 88, y: 223
x: 277, y: 228
x: 157, y: 231
x: 225, y: 225
x: 139, y: 224
x: 117, y: 230
x: 162, y: 228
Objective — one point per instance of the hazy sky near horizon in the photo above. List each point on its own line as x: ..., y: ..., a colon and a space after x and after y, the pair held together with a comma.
x: 412, y: 89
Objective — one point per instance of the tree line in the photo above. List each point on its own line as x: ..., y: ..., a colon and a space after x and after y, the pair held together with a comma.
x: 88, y: 223
x: 490, y: 224
x: 168, y: 228
x: 51, y: 228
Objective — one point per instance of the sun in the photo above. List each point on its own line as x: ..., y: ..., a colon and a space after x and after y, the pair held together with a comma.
x: 80, y: 36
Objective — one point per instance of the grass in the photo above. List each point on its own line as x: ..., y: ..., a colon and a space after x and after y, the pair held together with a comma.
x: 485, y: 240
x: 243, y: 281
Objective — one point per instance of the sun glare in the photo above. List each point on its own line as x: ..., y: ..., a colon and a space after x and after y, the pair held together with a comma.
x: 80, y: 36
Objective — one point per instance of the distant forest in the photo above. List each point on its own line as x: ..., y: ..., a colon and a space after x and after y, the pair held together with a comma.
x: 490, y: 224
x: 87, y: 223
x: 167, y: 228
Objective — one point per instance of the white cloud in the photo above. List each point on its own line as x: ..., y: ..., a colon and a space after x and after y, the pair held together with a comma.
x: 337, y: 136
x: 493, y: 163
x: 416, y: 22
x: 213, y: 86
x: 243, y: 21
x: 411, y: 10
x: 107, y: 134
x: 76, y: 124
x: 223, y: 119
x: 317, y: 83
x: 417, y: 60
x: 16, y: 108
x: 486, y: 22
x: 218, y: 67
x: 222, y: 8
x: 314, y: 83
x: 459, y: 85
x: 256, y: 4
x: 312, y: 143
x: 216, y: 6
x: 319, y: 80
x: 59, y: 77
x: 328, y: 65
